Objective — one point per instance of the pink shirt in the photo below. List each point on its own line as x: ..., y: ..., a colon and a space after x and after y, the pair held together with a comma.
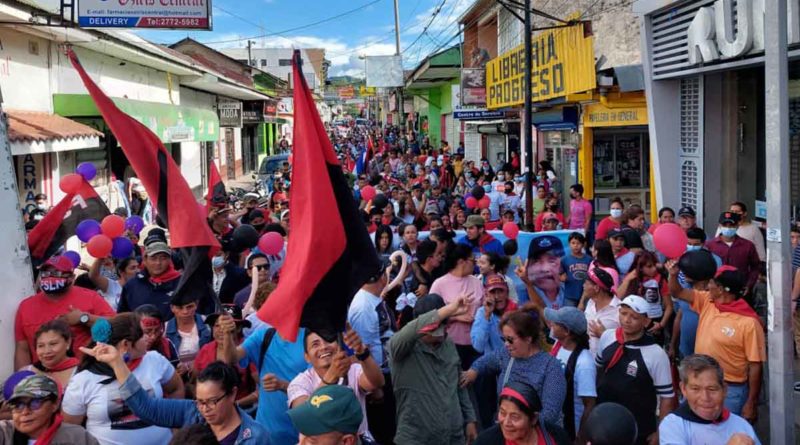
x: 308, y: 381
x: 609, y: 316
x: 450, y: 288
x: 579, y: 212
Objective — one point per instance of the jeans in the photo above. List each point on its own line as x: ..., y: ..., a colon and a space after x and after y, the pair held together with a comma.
x: 570, y: 303
x: 737, y: 396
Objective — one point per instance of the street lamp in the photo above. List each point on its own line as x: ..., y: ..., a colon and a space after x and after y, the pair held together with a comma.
x: 364, y: 58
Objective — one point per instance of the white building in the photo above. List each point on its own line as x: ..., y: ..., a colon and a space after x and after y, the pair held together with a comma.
x: 278, y: 62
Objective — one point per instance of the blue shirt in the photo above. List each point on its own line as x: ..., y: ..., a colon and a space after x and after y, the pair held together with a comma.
x: 577, y: 270
x: 285, y: 360
x: 689, y: 320
x: 485, y: 334
x: 624, y: 263
x: 370, y: 318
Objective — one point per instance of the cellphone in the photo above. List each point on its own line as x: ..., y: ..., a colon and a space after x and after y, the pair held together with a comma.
x: 344, y: 346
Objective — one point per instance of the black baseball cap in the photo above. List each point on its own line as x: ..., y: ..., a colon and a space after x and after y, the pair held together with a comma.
x: 729, y: 218
x: 687, y: 211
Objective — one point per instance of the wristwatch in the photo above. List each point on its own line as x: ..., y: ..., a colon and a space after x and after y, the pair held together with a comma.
x: 84, y: 319
x: 363, y: 356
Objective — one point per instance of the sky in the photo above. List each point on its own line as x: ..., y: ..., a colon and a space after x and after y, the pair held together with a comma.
x: 369, y: 30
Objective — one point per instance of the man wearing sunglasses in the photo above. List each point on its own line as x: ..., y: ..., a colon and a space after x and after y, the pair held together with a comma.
x: 34, y: 411
x: 257, y: 263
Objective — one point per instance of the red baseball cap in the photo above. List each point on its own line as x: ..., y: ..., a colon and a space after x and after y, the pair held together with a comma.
x: 495, y: 282
x: 60, y: 263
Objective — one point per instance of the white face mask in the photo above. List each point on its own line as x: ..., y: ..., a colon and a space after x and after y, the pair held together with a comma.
x: 616, y: 213
x: 501, y: 177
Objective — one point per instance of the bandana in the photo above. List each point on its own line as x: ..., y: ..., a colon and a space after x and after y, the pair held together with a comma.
x: 686, y: 413
x: 169, y: 275
x: 643, y: 341
x: 67, y: 363
x: 150, y: 322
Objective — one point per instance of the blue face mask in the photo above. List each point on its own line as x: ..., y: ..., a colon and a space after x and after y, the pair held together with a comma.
x: 691, y: 248
x: 728, y: 232
x: 616, y: 213
x: 217, y: 262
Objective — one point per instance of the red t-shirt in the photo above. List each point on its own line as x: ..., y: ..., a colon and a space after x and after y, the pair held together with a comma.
x: 605, y: 226
x: 208, y: 355
x: 38, y: 309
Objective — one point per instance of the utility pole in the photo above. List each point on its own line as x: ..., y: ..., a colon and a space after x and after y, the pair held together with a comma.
x: 397, y: 53
x: 526, y: 119
x: 779, y: 329
x: 250, y: 53
x: 17, y: 275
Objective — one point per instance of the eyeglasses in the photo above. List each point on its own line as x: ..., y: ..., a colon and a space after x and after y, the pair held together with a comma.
x: 509, y: 340
x: 262, y: 266
x: 32, y: 404
x: 210, y: 403
x: 54, y: 273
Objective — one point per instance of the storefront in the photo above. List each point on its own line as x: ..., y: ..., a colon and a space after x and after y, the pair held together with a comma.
x: 706, y: 105
x: 182, y: 130
x: 616, y: 143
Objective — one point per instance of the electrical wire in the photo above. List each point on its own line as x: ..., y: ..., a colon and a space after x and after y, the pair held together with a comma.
x: 433, y: 17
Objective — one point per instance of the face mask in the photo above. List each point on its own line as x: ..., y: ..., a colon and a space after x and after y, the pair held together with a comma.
x: 487, y: 188
x: 728, y: 232
x: 501, y: 177
x: 616, y: 213
x: 217, y: 262
x: 691, y: 248
x: 53, y: 285
x: 41, y: 206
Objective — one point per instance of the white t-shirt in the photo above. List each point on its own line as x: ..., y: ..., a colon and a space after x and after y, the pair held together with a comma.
x: 190, y: 345
x: 585, y: 378
x: 307, y: 381
x: 677, y: 431
x: 112, y: 293
x: 107, y: 417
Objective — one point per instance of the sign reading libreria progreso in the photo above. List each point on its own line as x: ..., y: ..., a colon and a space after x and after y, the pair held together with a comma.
x: 563, y: 63
x: 170, y: 14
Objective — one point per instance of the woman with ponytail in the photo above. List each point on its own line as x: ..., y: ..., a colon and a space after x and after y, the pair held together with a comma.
x: 34, y: 407
x: 94, y: 395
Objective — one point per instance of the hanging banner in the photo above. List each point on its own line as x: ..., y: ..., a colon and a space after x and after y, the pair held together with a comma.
x: 164, y: 14
x: 473, y: 86
x: 563, y: 63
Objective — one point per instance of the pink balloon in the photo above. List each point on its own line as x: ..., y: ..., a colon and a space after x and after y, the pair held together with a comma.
x: 471, y: 202
x: 484, y: 202
x: 368, y: 192
x: 113, y: 226
x: 511, y: 230
x: 270, y: 243
x: 670, y: 240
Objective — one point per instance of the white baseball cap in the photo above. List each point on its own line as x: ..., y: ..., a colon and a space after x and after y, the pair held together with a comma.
x: 637, y: 303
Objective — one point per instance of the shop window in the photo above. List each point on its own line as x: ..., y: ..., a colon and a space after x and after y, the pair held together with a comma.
x: 621, y: 160
x: 284, y: 62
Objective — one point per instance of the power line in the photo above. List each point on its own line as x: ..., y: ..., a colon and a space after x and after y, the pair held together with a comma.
x: 297, y: 28
x: 435, y: 13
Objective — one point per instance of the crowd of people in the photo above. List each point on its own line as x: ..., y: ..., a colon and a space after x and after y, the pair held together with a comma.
x: 590, y: 335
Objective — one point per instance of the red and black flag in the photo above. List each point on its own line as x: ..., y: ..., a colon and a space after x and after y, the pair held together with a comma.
x: 175, y: 204
x: 60, y: 222
x: 216, y: 195
x: 330, y: 255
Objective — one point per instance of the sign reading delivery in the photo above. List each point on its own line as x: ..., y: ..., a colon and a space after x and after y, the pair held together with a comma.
x: 167, y: 14
x: 563, y: 63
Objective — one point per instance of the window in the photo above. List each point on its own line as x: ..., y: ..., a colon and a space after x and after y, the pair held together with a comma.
x: 284, y: 62
x: 621, y: 160
x: 263, y: 62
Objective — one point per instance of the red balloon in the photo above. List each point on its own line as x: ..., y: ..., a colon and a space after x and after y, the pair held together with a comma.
x: 422, y: 159
x: 270, y: 243
x: 511, y: 230
x: 100, y: 246
x: 71, y: 183
x: 368, y: 192
x: 484, y: 202
x: 113, y: 226
x: 471, y: 202
x: 670, y: 240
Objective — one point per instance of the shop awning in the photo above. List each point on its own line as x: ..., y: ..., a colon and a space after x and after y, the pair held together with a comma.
x: 560, y: 119
x: 31, y: 132
x: 436, y: 70
x: 171, y: 123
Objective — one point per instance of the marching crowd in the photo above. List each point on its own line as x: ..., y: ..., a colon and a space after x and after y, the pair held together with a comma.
x: 594, y: 336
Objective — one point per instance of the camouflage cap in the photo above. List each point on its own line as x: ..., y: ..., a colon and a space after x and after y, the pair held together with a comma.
x: 35, y: 387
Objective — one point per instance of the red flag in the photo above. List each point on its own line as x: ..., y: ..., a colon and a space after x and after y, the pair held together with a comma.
x: 60, y: 222
x: 330, y: 255
x: 216, y: 195
x: 175, y: 204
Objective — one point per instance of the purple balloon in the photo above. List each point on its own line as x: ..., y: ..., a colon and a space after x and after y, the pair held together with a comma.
x: 73, y: 256
x: 122, y: 247
x: 134, y: 223
x: 87, y: 170
x: 87, y: 229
